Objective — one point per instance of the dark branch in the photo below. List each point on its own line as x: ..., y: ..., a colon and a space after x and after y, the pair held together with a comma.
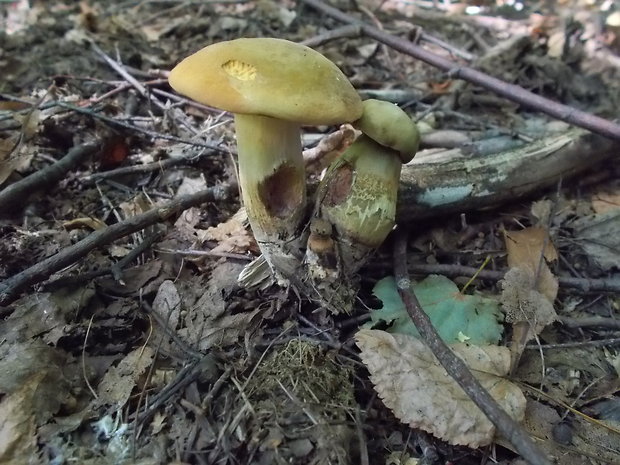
x: 18, y: 192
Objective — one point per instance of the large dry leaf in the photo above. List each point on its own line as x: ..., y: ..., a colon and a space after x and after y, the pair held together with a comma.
x: 419, y: 391
x: 524, y: 251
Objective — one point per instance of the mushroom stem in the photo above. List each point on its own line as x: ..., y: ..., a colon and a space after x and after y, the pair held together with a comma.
x: 271, y: 175
x: 359, y: 198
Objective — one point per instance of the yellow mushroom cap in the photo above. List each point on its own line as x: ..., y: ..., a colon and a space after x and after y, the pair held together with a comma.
x: 269, y: 77
x: 390, y: 126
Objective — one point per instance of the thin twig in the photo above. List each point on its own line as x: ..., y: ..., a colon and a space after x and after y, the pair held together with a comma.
x: 206, y: 253
x: 125, y: 75
x: 13, y: 286
x: 114, y: 270
x: 170, y: 332
x: 575, y: 345
x: 350, y: 30
x: 457, y: 369
x: 160, y: 165
x: 153, y: 134
x: 509, y: 91
x: 361, y: 438
x: 18, y: 192
x: 204, y: 367
x: 591, y: 322
x: 586, y: 285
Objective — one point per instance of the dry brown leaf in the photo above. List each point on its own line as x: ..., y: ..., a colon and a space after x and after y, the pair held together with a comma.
x: 18, y: 437
x: 158, y: 423
x: 8, y: 163
x: 154, y: 30
x: 524, y: 251
x: 604, y: 202
x: 419, y: 391
x: 223, y: 231
x: 167, y: 304
x: 134, y: 280
x: 529, y: 242
x: 10, y: 105
x: 190, y: 186
x: 526, y: 309
x: 185, y: 225
x: 541, y: 210
x: 29, y: 121
x: 136, y: 206
x: 599, y: 236
x: 232, y: 236
x: 15, y: 153
x: 44, y: 314
x: 207, y: 323
x: 119, y: 381
x: 588, y: 439
x: 521, y: 302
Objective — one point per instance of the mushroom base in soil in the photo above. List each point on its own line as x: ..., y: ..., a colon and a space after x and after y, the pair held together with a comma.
x: 357, y: 199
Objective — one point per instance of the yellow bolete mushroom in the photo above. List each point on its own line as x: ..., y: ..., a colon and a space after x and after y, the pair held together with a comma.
x: 359, y: 191
x: 272, y: 86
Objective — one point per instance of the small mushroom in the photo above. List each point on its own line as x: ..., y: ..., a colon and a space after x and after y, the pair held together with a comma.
x: 272, y: 86
x: 359, y: 191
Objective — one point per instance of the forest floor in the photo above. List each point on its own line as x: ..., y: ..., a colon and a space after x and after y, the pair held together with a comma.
x: 125, y: 335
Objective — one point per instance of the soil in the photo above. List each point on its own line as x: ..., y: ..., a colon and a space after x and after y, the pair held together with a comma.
x: 144, y: 348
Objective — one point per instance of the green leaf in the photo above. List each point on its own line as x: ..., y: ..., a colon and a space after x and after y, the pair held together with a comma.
x: 457, y: 317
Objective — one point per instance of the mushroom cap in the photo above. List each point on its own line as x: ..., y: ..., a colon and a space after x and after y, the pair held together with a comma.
x: 390, y: 126
x: 269, y: 77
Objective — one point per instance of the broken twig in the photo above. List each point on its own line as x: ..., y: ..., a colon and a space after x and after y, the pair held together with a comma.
x: 18, y: 192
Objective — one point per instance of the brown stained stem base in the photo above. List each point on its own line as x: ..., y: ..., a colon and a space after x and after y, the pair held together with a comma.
x: 509, y: 91
x: 457, y: 369
x: 11, y: 288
